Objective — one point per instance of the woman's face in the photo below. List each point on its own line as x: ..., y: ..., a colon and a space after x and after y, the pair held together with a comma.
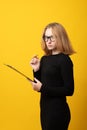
x: 50, y: 40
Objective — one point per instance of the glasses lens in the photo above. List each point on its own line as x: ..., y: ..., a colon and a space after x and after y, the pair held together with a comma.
x: 51, y: 38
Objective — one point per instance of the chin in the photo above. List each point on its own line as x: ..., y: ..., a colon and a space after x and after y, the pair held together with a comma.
x: 50, y: 48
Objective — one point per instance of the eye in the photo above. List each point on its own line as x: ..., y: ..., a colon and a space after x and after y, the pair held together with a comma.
x: 51, y: 38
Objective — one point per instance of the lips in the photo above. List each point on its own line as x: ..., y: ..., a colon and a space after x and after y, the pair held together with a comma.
x: 50, y: 47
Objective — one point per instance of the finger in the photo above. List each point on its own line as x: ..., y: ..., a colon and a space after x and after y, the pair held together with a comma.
x: 36, y: 80
x: 35, y: 56
x: 34, y: 59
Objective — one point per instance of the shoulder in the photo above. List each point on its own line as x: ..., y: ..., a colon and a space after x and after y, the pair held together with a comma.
x: 65, y: 59
x: 42, y: 58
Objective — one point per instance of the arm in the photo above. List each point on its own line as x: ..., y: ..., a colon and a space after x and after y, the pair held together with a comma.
x: 37, y: 84
x: 37, y: 74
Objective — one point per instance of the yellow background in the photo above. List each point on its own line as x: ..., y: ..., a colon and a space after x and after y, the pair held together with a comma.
x: 21, y: 26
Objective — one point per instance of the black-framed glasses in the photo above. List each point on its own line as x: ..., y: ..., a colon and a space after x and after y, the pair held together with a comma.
x: 51, y: 38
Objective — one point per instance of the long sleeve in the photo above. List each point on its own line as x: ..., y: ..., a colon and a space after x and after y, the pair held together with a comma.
x: 37, y: 74
x: 66, y: 86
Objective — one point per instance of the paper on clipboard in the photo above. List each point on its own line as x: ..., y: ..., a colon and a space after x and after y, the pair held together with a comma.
x: 11, y: 67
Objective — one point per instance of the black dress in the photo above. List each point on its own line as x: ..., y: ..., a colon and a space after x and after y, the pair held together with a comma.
x: 56, y: 75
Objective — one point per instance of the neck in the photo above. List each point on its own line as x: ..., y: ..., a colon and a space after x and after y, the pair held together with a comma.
x: 55, y: 52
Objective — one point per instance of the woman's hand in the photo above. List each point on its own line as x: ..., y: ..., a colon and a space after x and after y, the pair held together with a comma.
x: 35, y: 63
x: 36, y: 85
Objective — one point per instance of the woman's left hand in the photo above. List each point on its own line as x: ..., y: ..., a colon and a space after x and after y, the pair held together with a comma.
x: 36, y: 85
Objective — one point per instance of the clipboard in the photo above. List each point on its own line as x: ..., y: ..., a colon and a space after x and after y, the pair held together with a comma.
x: 11, y: 67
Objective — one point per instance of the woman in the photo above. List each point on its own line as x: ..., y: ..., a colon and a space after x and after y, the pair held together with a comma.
x: 54, y: 78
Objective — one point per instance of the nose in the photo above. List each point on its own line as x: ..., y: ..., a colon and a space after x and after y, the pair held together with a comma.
x: 49, y: 41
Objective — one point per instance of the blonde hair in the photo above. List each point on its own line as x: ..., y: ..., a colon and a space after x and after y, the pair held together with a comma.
x: 63, y: 42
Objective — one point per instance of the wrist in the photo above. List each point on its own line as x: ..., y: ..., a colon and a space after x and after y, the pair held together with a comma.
x: 35, y: 70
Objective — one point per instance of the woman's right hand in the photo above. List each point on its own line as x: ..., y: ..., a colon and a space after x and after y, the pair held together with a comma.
x: 35, y: 63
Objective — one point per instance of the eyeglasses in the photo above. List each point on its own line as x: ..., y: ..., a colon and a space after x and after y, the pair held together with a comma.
x: 46, y: 38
